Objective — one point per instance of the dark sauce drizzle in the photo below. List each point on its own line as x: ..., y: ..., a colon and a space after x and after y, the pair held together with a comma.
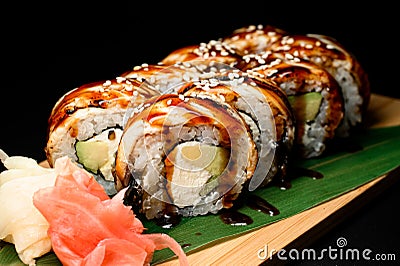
x: 300, y: 171
x: 169, y: 217
x: 234, y: 217
x: 295, y: 172
x: 186, y: 245
x: 259, y: 204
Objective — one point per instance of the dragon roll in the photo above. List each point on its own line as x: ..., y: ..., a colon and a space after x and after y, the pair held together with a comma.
x: 184, y: 156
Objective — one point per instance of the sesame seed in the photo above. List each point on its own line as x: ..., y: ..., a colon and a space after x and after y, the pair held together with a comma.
x: 128, y: 88
x: 120, y: 79
x: 289, y: 56
x: 224, y: 53
x: 107, y: 83
x: 261, y: 61
x: 133, y: 76
x: 251, y: 28
x: 277, y: 61
x: 271, y: 72
x: 266, y: 54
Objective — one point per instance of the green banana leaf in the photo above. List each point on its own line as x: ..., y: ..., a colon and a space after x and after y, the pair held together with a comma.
x: 342, y: 171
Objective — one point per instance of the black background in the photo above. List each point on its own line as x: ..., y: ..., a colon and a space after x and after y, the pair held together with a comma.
x: 48, y: 50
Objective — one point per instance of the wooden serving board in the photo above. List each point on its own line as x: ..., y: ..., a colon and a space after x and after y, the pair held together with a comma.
x: 243, y: 250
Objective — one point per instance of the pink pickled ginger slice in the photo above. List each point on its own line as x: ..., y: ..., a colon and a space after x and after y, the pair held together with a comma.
x: 87, y: 227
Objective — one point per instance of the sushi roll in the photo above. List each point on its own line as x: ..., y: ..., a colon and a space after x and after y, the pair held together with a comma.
x: 253, y: 39
x: 86, y: 124
x: 183, y: 156
x: 329, y: 54
x: 313, y: 93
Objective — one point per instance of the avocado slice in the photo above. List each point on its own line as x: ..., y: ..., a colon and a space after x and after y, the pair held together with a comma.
x: 92, y: 154
x: 97, y: 154
x: 215, y: 168
x: 305, y: 106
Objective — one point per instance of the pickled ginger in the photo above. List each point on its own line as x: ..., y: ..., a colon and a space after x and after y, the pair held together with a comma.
x: 21, y: 223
